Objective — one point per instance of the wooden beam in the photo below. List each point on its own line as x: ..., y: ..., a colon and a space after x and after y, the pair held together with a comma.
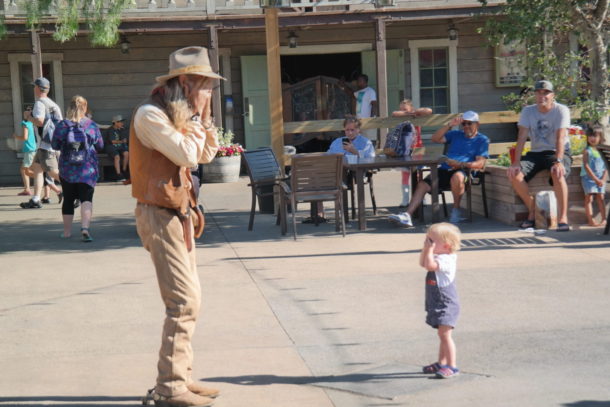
x: 435, y: 120
x: 382, y: 75
x: 274, y: 78
x: 215, y: 62
x: 36, y: 55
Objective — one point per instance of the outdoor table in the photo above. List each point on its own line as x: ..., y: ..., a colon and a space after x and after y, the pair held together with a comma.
x: 360, y: 165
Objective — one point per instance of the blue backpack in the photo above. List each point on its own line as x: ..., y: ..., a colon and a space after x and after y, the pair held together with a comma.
x: 76, y: 148
x: 399, y: 142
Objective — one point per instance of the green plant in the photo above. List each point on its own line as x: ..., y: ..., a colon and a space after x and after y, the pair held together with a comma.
x: 503, y: 160
x: 227, y: 147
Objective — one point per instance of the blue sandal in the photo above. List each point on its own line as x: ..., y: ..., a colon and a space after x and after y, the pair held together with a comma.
x: 447, y: 372
x: 86, y: 236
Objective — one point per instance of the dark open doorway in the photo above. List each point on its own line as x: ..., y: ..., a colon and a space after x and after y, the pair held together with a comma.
x: 296, y: 68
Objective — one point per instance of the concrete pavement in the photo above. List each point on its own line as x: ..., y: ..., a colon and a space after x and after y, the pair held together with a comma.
x: 323, y: 321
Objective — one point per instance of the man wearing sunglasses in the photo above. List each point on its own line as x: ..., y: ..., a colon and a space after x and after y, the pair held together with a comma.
x: 546, y: 124
x: 467, y: 149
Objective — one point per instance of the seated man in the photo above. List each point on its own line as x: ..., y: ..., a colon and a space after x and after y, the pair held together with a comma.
x: 546, y: 123
x: 115, y: 145
x: 468, y: 149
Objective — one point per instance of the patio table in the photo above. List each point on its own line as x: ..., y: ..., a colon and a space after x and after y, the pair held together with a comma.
x: 360, y: 165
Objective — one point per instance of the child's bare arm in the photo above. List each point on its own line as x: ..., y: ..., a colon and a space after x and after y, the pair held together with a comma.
x: 426, y: 258
x: 585, y: 161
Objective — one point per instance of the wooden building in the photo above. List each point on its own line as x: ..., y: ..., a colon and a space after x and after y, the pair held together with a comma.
x: 433, y: 55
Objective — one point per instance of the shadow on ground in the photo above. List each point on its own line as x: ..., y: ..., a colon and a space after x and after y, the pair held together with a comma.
x: 66, y: 401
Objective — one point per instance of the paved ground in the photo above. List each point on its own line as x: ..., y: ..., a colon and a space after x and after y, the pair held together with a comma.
x: 324, y: 321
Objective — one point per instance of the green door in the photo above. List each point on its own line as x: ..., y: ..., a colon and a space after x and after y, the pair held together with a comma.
x: 395, y: 61
x: 256, y: 101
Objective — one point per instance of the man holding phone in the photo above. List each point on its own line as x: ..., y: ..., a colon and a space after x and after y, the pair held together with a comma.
x: 353, y: 142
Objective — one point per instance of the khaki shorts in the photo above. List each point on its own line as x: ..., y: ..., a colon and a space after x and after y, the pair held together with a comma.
x: 47, y: 160
x: 28, y: 159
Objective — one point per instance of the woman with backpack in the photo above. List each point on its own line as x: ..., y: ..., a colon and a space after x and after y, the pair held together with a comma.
x: 77, y: 138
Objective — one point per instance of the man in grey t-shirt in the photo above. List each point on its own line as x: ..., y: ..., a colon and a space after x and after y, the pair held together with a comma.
x: 45, y: 159
x: 546, y: 123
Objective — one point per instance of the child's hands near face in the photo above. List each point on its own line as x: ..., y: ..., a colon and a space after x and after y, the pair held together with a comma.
x: 429, y: 243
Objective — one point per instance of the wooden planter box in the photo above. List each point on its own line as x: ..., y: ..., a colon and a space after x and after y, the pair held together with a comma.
x: 505, y: 206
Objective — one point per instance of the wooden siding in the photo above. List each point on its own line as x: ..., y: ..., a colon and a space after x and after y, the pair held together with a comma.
x: 114, y: 83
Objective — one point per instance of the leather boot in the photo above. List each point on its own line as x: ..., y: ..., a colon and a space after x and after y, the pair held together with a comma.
x: 188, y: 399
x: 201, y: 390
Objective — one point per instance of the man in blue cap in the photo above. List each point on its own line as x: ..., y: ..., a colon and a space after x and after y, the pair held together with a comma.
x: 468, y: 149
x: 546, y: 124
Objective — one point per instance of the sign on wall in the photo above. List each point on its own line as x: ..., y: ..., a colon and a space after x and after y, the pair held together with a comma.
x: 510, y: 63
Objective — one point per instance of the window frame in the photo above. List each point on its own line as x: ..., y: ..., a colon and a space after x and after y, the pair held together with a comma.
x: 451, y: 45
x: 55, y: 60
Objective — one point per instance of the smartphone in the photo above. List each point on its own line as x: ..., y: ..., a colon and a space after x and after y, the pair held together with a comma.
x: 345, y: 140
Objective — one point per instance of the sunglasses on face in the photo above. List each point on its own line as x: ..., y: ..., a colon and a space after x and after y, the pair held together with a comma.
x: 467, y: 123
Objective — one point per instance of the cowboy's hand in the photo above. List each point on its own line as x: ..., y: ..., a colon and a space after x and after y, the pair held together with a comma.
x: 456, y: 121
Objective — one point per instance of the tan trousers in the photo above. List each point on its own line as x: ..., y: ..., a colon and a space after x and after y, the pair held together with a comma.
x: 161, y: 233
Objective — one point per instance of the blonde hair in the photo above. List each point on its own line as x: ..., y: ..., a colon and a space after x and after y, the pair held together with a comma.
x: 448, y: 233
x: 77, y: 109
x: 175, y: 103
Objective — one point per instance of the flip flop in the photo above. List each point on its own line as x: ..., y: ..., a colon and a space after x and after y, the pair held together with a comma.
x: 526, y: 224
x: 563, y: 227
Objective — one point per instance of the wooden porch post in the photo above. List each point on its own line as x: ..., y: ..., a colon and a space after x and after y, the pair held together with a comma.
x: 382, y: 76
x: 36, y: 56
x: 274, y: 78
x: 215, y: 62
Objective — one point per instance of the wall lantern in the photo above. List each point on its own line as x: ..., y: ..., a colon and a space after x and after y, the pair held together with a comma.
x: 292, y: 39
x: 124, y: 44
x: 453, y: 32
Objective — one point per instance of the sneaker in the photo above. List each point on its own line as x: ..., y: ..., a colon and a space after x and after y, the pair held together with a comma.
x: 403, y: 219
x: 45, y: 200
x: 30, y: 205
x: 188, y: 399
x: 447, y: 372
x: 455, y: 216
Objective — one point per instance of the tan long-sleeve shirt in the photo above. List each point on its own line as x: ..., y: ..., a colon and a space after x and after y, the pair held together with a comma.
x: 186, y: 149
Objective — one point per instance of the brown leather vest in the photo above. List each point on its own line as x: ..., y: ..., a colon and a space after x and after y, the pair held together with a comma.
x: 155, y: 179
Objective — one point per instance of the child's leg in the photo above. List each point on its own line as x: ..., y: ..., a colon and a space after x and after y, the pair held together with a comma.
x: 589, y: 209
x: 404, y: 187
x: 25, y: 178
x: 447, y: 352
x: 601, y: 205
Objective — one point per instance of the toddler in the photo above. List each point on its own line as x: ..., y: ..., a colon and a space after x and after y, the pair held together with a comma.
x: 439, y: 258
x: 593, y: 174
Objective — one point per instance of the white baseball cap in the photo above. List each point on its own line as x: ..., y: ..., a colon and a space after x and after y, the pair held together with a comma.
x: 470, y: 116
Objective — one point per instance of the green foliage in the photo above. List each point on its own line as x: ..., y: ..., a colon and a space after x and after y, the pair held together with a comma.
x: 503, y: 160
x: 544, y: 27
x: 102, y: 18
x: 225, y: 137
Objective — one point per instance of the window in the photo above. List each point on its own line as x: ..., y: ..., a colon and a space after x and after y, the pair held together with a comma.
x: 434, y: 79
x: 434, y: 74
x: 25, y: 83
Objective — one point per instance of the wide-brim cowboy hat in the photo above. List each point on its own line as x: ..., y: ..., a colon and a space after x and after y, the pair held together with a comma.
x: 189, y: 61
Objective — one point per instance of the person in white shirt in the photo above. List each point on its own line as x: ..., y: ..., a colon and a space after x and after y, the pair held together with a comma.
x: 366, y: 104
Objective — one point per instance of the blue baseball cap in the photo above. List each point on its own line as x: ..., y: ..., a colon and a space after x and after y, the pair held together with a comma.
x: 42, y: 83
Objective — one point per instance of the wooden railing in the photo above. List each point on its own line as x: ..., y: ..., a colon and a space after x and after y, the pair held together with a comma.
x: 435, y: 120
